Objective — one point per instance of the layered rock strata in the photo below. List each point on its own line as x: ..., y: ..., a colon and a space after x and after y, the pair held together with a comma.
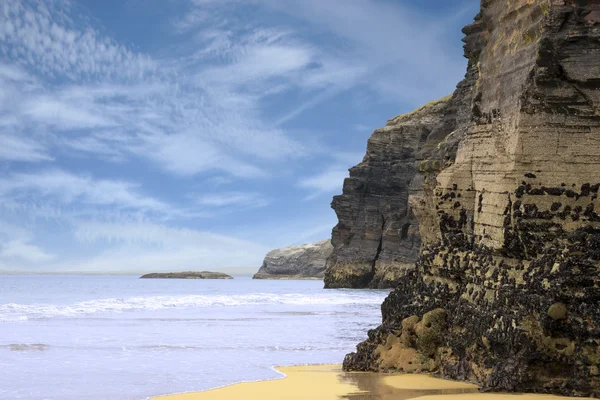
x: 296, y: 262
x: 506, y: 291
x: 186, y: 275
x: 376, y: 240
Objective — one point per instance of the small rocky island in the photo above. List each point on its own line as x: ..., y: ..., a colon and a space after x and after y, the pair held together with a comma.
x: 186, y: 275
x: 296, y: 262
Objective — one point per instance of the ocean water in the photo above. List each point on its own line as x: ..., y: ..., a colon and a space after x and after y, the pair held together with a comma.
x: 123, y: 338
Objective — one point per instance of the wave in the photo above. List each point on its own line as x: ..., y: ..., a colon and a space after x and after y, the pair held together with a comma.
x: 13, y: 318
x: 237, y: 348
x: 161, y: 347
x: 14, y: 312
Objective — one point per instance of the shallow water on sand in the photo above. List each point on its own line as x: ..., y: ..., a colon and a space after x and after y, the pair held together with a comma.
x: 122, y: 338
x: 329, y: 382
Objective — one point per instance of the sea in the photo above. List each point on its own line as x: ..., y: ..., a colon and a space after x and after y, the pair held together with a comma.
x: 70, y: 337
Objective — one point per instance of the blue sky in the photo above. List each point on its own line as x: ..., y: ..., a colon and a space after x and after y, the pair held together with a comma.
x: 148, y: 135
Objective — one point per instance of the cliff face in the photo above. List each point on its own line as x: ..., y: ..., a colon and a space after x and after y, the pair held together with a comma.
x: 376, y: 240
x: 506, y: 289
x: 296, y: 262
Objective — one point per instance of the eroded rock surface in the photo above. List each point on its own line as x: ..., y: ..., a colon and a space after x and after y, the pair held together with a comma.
x: 506, y: 291
x: 376, y: 240
x: 186, y: 275
x: 296, y: 262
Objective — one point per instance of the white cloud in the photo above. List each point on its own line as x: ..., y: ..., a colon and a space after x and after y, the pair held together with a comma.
x: 16, y: 148
x: 154, y: 107
x: 230, y: 199
x: 63, y: 115
x: 148, y: 246
x: 68, y: 188
x: 44, y: 37
x: 258, y: 63
x: 11, y: 73
x: 331, y: 179
x: 189, y: 154
x: 327, y: 182
x: 362, y: 128
x: 100, y: 144
x: 368, y: 43
x: 210, y: 108
x: 23, y: 251
x: 16, y: 246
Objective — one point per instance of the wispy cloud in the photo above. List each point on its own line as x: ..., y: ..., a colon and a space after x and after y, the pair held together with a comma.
x: 330, y: 180
x: 362, y: 128
x: 148, y: 246
x: 229, y: 199
x: 121, y: 140
x: 369, y: 43
x: 327, y: 182
x: 43, y: 36
x: 20, y: 250
x: 16, y: 246
x: 185, y: 123
x: 67, y: 188
x: 15, y: 148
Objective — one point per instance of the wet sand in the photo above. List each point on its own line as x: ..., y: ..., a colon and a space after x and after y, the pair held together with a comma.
x: 329, y: 382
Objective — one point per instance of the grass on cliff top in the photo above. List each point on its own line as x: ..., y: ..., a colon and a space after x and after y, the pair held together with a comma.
x: 424, y: 107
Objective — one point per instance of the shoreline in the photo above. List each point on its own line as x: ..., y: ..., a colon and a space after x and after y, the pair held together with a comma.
x: 329, y: 382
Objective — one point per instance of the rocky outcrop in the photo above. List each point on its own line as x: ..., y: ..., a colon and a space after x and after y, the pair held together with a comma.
x: 186, y: 275
x: 507, y: 286
x: 296, y: 262
x: 377, y: 238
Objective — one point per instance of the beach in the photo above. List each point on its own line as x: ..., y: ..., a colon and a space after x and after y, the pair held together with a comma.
x: 329, y: 382
x: 140, y: 338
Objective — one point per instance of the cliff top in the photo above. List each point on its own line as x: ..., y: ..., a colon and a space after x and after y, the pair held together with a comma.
x: 425, y: 109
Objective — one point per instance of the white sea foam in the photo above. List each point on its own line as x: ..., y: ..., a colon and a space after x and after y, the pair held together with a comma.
x: 13, y: 318
x: 13, y: 312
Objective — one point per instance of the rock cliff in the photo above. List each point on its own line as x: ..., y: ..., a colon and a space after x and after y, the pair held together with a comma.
x: 506, y: 289
x: 376, y: 239
x: 296, y: 262
x: 186, y: 275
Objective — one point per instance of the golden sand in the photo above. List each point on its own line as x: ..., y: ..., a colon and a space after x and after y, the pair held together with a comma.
x: 329, y: 382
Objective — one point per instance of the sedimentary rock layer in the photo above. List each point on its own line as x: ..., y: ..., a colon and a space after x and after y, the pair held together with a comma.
x: 377, y: 238
x: 507, y: 286
x: 296, y: 262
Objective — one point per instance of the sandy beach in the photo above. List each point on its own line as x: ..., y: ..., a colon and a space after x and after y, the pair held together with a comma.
x: 329, y: 382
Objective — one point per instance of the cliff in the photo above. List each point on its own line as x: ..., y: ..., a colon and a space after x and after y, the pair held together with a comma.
x: 296, y: 262
x: 186, y: 275
x: 506, y: 289
x: 377, y: 239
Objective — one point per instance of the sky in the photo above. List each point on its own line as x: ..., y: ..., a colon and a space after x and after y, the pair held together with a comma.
x: 158, y: 135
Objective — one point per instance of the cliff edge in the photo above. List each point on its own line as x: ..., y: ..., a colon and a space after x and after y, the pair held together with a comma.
x: 376, y: 240
x: 506, y: 289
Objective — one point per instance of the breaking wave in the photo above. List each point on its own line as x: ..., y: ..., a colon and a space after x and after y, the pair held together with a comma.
x: 13, y: 312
